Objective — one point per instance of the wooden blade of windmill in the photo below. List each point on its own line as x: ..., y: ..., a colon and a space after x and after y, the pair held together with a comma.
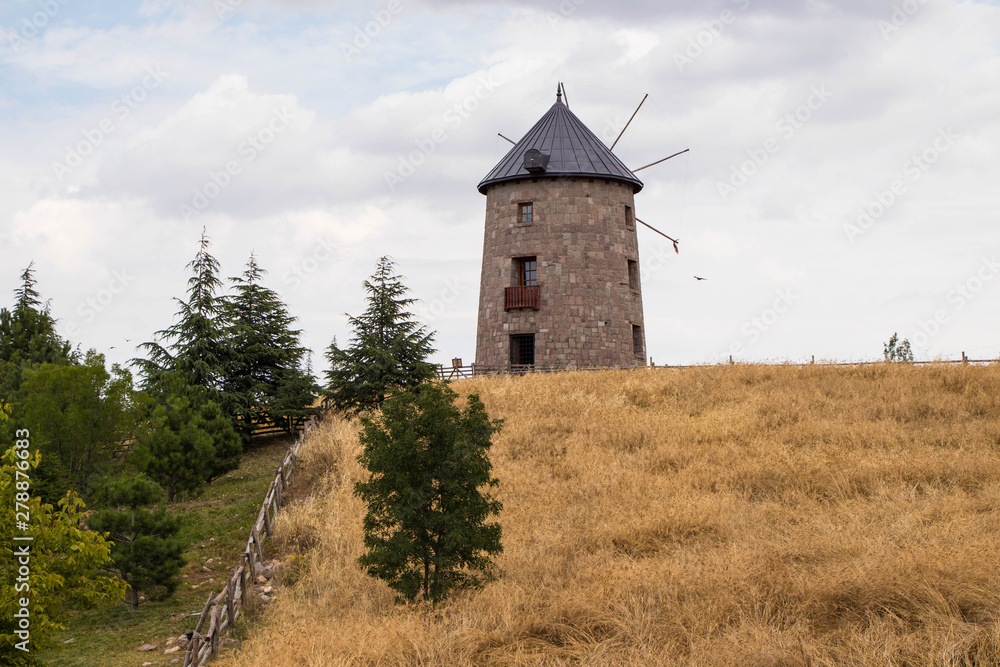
x: 629, y: 121
x: 663, y: 160
x: 657, y: 231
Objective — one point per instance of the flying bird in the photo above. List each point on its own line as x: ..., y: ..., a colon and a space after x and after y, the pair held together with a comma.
x: 697, y: 278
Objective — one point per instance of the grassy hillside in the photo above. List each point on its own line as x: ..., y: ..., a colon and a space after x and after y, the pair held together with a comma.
x: 216, y: 527
x: 739, y: 515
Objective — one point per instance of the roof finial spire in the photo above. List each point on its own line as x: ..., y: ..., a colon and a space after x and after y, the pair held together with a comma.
x: 559, y: 93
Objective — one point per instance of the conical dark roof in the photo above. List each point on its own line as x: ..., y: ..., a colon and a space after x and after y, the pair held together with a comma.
x: 572, y: 150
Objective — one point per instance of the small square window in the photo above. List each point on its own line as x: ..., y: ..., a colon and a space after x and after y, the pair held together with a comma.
x: 525, y: 212
x: 637, y: 340
x: 633, y: 274
x: 629, y: 218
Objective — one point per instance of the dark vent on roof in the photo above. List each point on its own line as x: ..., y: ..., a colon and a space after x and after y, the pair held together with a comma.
x: 535, y: 161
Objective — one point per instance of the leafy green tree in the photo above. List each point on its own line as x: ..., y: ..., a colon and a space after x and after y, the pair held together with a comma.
x: 189, y: 441
x: 146, y: 553
x: 426, y: 527
x: 77, y: 415
x: 896, y: 350
x: 264, y: 377
x: 195, y: 345
x: 388, y: 351
x: 64, y: 560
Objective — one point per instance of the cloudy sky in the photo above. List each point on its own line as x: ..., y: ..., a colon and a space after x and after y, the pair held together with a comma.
x: 841, y: 184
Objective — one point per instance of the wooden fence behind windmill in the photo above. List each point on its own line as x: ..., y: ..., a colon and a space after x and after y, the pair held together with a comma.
x: 458, y: 371
x: 222, y: 610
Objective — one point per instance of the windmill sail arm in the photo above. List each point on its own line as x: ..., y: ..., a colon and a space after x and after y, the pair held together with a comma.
x: 663, y: 160
x: 629, y: 121
x: 657, y: 230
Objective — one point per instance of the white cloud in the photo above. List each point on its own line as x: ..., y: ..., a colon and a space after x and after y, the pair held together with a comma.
x: 228, y: 149
x: 635, y: 44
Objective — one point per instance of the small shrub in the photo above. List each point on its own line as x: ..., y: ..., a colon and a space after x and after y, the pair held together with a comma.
x: 896, y: 350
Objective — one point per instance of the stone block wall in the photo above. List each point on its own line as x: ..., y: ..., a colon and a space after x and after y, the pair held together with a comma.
x: 582, y: 243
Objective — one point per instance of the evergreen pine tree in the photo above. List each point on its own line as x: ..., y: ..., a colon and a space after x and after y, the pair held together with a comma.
x: 195, y: 345
x: 293, y: 402
x: 28, y: 337
x: 425, y: 528
x: 26, y: 295
x: 388, y: 351
x: 146, y: 553
x: 263, y: 376
x: 189, y: 442
x: 896, y: 350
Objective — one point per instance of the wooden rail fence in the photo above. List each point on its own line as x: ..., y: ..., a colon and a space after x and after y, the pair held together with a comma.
x: 222, y: 610
x: 457, y: 370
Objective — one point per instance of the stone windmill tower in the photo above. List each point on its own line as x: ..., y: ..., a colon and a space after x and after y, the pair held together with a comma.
x: 560, y: 280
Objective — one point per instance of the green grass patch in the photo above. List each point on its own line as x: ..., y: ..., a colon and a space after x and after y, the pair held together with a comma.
x: 217, y: 524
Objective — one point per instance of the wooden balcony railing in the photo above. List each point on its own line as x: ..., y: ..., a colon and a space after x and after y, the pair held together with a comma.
x: 522, y: 296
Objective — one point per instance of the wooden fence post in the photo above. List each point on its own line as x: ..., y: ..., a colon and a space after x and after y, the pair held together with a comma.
x: 256, y: 541
x: 267, y: 519
x: 201, y: 619
x: 213, y: 631
x: 230, y: 607
x: 245, y: 577
x: 195, y: 646
x: 277, y: 492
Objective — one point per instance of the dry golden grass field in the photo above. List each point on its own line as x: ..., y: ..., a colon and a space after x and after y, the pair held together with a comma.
x: 726, y: 515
